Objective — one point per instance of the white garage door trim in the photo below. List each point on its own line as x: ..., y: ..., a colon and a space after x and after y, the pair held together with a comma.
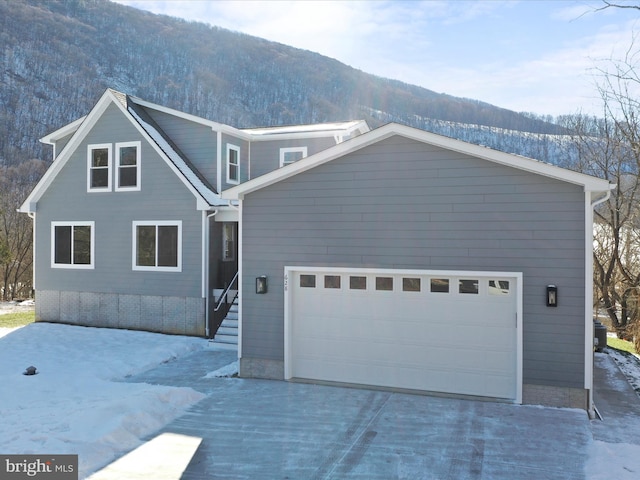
x: 292, y: 272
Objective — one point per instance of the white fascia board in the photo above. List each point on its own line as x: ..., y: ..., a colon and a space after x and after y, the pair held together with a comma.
x: 269, y: 134
x: 68, y: 129
x: 218, y: 127
x: 296, y: 136
x: 588, y: 182
x: 508, y: 159
x: 29, y: 205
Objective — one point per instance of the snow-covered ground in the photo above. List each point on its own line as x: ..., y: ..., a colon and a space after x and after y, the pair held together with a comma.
x: 76, y: 403
x: 618, y: 460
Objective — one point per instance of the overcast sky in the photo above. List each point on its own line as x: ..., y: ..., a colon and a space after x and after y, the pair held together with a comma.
x: 528, y: 55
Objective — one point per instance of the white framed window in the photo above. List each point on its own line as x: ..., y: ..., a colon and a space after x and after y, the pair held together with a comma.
x: 291, y: 154
x: 233, y: 164
x: 99, y: 166
x: 157, y: 246
x: 128, y: 166
x: 72, y: 245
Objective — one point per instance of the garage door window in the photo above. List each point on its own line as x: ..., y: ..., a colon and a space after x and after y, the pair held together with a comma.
x: 384, y: 283
x: 498, y: 287
x: 410, y: 284
x: 357, y: 283
x: 332, y: 281
x: 308, y: 281
x: 468, y: 286
x: 440, y: 285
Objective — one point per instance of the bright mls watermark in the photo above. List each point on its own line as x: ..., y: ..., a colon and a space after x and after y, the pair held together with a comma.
x: 50, y: 467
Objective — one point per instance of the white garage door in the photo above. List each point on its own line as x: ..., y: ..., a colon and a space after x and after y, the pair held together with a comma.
x: 439, y: 331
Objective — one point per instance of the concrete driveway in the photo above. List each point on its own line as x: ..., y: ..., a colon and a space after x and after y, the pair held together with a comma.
x: 277, y: 430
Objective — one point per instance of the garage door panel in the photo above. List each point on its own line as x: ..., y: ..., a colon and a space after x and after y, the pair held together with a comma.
x: 451, y: 341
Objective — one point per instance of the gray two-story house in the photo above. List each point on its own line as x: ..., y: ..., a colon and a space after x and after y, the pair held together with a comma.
x: 130, y: 229
x: 393, y: 258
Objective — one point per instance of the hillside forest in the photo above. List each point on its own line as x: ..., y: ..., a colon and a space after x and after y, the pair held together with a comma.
x: 54, y: 71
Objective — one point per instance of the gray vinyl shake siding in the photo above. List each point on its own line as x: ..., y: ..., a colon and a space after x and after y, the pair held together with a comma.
x: 405, y: 204
x: 162, y: 197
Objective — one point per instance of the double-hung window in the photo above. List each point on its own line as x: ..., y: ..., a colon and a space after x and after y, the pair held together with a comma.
x: 291, y: 155
x: 157, y: 246
x: 127, y: 166
x: 72, y: 244
x: 99, y: 168
x: 233, y: 164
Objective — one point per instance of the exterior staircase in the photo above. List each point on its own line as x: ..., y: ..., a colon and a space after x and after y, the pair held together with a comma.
x: 227, y: 334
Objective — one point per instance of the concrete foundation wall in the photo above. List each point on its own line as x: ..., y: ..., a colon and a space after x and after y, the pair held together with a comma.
x: 261, y: 368
x: 162, y: 314
x: 561, y: 397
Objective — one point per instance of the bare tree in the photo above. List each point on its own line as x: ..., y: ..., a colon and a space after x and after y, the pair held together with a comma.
x: 609, y: 147
x: 16, y: 230
x: 607, y: 4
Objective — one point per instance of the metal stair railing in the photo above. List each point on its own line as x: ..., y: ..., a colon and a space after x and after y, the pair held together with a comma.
x: 223, y: 306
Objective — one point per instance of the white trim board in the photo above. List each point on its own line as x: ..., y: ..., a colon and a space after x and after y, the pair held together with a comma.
x: 588, y: 182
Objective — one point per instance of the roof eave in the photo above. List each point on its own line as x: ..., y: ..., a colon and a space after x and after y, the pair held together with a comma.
x: 588, y: 182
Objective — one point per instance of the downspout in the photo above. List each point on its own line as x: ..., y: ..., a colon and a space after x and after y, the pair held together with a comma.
x: 591, y: 408
x: 32, y: 216
x: 206, y: 270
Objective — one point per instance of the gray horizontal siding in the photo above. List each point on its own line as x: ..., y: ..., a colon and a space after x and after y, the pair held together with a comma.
x: 403, y: 204
x: 162, y: 197
x: 265, y: 155
x: 244, y: 159
x: 62, y: 142
x: 196, y: 141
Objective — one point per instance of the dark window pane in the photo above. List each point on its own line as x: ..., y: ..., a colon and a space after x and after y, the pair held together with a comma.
x: 498, y: 287
x: 146, y: 238
x: 358, y: 283
x: 411, y: 284
x: 82, y: 245
x: 332, y: 281
x: 99, y: 157
x: 233, y: 165
x: 128, y: 156
x: 440, y: 285
x: 290, y: 157
x: 128, y: 176
x: 233, y: 172
x: 62, y: 246
x: 468, y: 286
x: 384, y: 283
x: 99, y: 177
x: 308, y: 281
x: 168, y: 246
